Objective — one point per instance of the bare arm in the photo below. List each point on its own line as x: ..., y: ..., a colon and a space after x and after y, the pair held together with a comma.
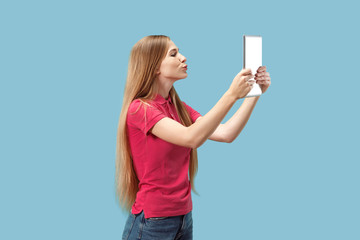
x: 229, y: 131
x: 196, y: 134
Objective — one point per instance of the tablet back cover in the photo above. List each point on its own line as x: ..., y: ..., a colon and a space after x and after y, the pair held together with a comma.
x: 252, y: 52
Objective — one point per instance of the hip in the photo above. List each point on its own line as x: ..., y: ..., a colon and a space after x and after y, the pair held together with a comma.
x: 166, y: 228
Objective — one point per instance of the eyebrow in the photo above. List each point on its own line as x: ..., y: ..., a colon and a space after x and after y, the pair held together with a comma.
x: 174, y: 49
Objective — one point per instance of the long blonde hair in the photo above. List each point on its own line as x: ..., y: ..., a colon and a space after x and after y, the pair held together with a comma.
x: 145, y: 58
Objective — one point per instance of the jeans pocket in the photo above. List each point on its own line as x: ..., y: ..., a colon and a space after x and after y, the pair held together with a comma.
x: 154, y: 221
x: 157, y: 218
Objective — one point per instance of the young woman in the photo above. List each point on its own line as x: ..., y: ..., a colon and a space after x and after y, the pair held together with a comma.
x: 158, y: 135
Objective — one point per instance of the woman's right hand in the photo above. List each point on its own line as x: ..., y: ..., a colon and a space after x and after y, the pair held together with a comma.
x: 241, y: 86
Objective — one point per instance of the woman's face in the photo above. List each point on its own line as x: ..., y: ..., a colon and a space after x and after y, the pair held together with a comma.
x: 173, y: 66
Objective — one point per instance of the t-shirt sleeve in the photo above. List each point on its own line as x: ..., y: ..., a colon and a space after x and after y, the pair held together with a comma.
x: 193, y: 114
x: 143, y: 116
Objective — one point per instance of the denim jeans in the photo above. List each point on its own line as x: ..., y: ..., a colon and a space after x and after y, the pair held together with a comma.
x: 162, y: 228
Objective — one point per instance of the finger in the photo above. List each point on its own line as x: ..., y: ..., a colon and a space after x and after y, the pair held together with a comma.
x: 267, y: 76
x: 260, y: 78
x: 250, y: 83
x: 264, y: 75
x: 245, y: 71
x: 263, y: 82
x: 260, y: 74
x: 247, y: 77
x: 261, y: 69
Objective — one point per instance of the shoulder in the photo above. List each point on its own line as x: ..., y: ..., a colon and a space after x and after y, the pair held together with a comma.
x: 141, y: 108
x: 184, y: 104
x: 143, y: 114
x: 188, y: 108
x: 138, y: 104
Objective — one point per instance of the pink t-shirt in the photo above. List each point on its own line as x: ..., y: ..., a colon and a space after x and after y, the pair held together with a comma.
x: 161, y: 167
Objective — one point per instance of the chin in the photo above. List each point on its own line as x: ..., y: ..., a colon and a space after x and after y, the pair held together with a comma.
x: 182, y: 76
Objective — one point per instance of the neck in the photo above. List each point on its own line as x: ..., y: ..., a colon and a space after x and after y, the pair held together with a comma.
x: 164, y: 87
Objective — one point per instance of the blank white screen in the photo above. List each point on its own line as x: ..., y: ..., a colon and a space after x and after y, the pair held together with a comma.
x: 253, y: 53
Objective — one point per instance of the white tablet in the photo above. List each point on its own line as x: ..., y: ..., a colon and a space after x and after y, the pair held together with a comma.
x: 252, y: 53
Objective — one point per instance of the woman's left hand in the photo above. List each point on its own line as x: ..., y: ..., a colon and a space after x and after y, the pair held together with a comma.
x: 263, y: 78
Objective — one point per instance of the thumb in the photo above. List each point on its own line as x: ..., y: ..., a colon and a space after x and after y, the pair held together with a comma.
x: 246, y: 71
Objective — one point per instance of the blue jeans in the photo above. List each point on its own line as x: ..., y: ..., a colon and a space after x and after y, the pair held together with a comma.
x: 163, y: 228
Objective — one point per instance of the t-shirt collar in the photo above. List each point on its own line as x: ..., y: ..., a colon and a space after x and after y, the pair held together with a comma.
x: 160, y: 99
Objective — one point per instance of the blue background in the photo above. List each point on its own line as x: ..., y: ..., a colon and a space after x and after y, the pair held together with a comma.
x: 293, y: 173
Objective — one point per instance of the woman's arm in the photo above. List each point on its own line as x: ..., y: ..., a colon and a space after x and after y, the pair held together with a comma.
x: 229, y: 131
x: 196, y: 134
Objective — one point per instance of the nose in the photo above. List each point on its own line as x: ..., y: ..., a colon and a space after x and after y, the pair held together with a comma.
x: 182, y: 58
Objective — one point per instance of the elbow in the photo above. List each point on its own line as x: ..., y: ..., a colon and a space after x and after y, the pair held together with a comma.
x: 228, y: 138
x: 193, y: 140
x: 195, y: 144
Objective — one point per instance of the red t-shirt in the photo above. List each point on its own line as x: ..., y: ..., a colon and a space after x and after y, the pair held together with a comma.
x: 161, y: 167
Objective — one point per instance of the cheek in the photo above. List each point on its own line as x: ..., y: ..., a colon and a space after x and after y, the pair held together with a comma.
x: 168, y: 67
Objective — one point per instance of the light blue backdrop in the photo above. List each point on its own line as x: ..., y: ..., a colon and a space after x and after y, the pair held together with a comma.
x: 293, y: 173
